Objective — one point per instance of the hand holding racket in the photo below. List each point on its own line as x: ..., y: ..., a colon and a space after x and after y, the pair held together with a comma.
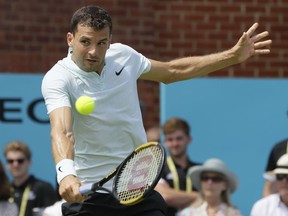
x: 135, y: 177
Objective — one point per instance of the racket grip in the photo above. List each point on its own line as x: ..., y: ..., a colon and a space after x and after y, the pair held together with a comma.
x: 86, y: 189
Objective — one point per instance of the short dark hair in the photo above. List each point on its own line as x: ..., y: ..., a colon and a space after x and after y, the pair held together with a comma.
x: 174, y: 124
x: 92, y: 16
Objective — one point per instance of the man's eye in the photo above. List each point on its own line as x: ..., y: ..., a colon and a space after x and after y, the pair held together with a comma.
x: 102, y: 43
x: 85, y: 42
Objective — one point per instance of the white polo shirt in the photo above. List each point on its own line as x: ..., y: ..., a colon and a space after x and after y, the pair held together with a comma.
x: 269, y: 206
x: 115, y: 128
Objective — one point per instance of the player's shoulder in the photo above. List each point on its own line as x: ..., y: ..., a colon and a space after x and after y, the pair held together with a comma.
x: 57, y: 72
x: 116, y: 46
x: 119, y: 48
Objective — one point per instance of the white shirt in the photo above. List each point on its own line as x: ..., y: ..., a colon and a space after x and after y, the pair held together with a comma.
x: 7, y: 208
x: 115, y: 128
x: 224, y: 210
x: 269, y: 206
x: 54, y: 210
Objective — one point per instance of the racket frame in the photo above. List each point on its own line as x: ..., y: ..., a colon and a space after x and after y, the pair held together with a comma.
x: 97, y: 186
x: 155, y: 181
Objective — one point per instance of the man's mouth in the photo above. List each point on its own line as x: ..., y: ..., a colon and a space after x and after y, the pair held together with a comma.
x: 92, y: 60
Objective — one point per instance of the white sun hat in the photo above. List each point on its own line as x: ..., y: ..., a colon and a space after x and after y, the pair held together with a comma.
x: 282, y: 165
x: 213, y: 165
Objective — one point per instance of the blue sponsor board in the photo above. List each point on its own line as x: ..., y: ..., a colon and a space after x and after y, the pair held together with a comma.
x: 236, y: 120
x: 23, y: 117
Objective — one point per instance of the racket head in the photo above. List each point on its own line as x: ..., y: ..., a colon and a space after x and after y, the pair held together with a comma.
x: 139, y: 173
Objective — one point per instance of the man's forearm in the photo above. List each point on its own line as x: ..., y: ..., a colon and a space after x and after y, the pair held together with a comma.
x: 190, y: 67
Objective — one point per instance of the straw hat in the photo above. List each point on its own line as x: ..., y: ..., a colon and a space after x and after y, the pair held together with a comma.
x: 282, y: 165
x: 213, y: 165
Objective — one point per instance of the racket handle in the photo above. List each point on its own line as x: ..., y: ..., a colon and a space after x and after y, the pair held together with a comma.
x: 86, y: 189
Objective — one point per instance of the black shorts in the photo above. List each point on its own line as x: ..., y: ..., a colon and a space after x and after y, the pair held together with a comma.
x: 106, y: 205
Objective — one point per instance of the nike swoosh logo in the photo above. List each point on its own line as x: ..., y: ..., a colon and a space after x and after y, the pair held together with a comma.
x: 119, y: 72
x: 59, y: 168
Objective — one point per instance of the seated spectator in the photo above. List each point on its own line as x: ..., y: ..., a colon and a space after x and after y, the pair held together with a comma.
x: 6, y: 207
x: 275, y: 204
x: 270, y: 182
x: 215, y: 183
x: 175, y: 185
x: 28, y: 192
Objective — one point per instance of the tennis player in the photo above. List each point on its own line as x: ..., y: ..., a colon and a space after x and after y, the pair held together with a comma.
x: 87, y: 147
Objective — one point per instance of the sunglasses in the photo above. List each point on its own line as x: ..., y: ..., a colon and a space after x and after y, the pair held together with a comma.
x: 215, y: 179
x: 280, y: 177
x: 19, y: 161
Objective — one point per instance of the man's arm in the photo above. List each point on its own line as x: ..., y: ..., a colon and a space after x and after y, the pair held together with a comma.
x: 191, y: 67
x: 174, y: 198
x: 63, y: 149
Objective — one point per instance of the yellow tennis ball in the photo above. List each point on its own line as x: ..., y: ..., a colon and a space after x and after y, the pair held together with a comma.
x: 85, y: 105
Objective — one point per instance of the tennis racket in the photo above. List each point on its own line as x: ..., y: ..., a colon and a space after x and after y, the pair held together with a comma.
x: 135, y: 177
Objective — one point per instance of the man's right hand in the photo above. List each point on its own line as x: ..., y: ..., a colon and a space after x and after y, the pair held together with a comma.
x: 69, y: 189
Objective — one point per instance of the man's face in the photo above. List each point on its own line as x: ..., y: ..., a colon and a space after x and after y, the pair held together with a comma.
x: 282, y: 184
x: 17, y: 163
x: 89, y: 47
x: 177, y: 143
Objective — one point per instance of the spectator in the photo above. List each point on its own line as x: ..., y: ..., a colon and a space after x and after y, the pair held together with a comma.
x: 28, y: 192
x: 6, y: 207
x: 215, y: 182
x: 153, y: 134
x: 270, y: 182
x: 275, y: 204
x: 175, y: 186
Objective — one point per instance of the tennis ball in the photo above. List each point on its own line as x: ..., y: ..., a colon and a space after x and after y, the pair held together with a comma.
x: 84, y: 105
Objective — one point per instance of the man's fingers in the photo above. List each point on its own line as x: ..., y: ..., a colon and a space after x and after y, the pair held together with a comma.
x: 69, y: 189
x: 260, y: 36
x: 262, y: 44
x: 262, y: 51
x: 252, y: 29
x: 73, y: 194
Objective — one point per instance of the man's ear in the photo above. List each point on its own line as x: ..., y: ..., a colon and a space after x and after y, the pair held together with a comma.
x: 69, y: 39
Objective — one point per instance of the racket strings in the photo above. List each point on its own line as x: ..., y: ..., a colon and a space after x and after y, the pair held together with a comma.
x: 139, y: 173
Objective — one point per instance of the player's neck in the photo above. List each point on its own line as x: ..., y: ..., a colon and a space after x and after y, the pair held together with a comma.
x: 100, y: 68
x: 21, y: 179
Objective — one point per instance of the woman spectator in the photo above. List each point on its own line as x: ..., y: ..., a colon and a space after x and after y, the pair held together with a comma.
x: 6, y: 207
x: 215, y: 182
